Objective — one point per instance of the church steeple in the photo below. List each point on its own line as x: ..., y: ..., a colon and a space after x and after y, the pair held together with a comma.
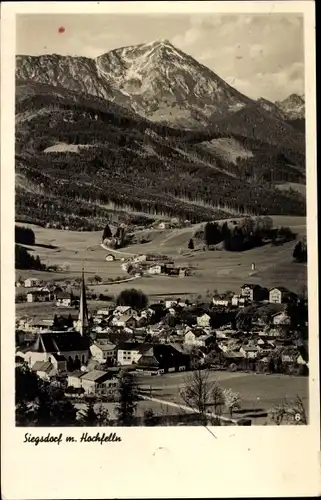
x: 83, y: 317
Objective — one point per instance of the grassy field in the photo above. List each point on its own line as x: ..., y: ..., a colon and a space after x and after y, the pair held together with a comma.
x: 258, y: 392
x: 211, y: 270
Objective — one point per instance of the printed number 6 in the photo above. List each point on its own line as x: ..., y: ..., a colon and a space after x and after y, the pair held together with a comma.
x: 297, y: 417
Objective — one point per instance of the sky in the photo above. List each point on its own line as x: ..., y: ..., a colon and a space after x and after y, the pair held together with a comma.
x: 261, y: 55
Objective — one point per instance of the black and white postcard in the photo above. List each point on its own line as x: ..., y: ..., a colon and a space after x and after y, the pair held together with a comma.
x: 159, y: 250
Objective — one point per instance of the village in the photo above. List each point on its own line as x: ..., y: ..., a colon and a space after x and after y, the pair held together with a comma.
x: 254, y: 330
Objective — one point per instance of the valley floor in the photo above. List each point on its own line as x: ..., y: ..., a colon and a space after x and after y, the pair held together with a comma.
x: 211, y: 270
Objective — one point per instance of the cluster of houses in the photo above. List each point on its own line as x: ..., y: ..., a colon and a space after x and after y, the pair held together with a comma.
x: 255, y: 293
x: 151, y: 265
x: 88, y: 352
x: 38, y: 291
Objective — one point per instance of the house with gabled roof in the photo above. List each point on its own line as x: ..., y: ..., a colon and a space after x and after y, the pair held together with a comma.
x: 66, y: 347
x: 254, y: 292
x: 121, y: 310
x: 281, y: 295
x: 103, y: 351
x: 44, y: 369
x: 98, y: 382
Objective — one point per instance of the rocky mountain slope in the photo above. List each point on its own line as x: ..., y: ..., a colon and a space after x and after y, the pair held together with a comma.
x: 155, y: 80
x: 293, y: 107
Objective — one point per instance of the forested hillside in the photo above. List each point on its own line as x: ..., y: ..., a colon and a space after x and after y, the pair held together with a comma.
x: 125, y: 162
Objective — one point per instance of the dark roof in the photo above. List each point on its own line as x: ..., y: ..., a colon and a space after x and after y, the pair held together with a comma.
x: 77, y: 373
x: 58, y: 357
x: 60, y: 342
x: 282, y: 289
x: 64, y: 295
x: 44, y: 366
x: 131, y: 346
x: 252, y: 286
x: 97, y: 376
x: 163, y: 356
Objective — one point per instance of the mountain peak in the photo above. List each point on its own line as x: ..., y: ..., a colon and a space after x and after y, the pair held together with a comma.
x: 163, y: 41
x: 293, y: 106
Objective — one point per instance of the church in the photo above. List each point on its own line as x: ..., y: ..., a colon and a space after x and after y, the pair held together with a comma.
x: 66, y: 351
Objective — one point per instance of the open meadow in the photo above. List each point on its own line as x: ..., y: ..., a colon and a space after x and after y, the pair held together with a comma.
x: 220, y: 270
x: 259, y: 393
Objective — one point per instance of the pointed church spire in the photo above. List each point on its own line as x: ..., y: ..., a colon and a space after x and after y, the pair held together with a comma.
x: 83, y: 317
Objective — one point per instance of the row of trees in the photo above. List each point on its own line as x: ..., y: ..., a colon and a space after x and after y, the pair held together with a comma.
x: 248, y: 233
x: 24, y: 260
x: 24, y: 235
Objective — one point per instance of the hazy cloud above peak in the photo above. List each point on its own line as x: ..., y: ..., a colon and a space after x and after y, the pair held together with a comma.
x: 262, y: 55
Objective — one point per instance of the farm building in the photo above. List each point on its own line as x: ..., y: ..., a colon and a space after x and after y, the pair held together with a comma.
x: 64, y: 299
x: 32, y: 282
x: 38, y: 296
x: 44, y: 369
x: 110, y: 257
x: 217, y: 301
x: 157, y: 269
x: 93, y: 382
x: 254, y: 293
x: 280, y: 295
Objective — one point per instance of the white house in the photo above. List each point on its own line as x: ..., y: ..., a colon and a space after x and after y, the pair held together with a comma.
x: 170, y: 303
x: 156, y: 269
x: 104, y: 313
x: 220, y: 302
x: 204, y: 320
x: 281, y: 318
x: 279, y: 295
x: 32, y: 282
x: 239, y: 301
x: 197, y: 340
x: 120, y: 310
x: 125, y: 321
x: 249, y: 352
x: 128, y: 353
x: 74, y: 379
x: 44, y: 369
x: 64, y: 299
x: 38, y: 296
x: 252, y: 292
x: 103, y: 351
x: 164, y: 225
x: 98, y: 382
x: 140, y: 258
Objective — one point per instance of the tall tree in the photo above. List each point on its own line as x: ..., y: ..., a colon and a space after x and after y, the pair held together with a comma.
x: 128, y: 395
x: 191, y: 244
x: 88, y: 416
x: 232, y: 401
x: 107, y: 232
x: 133, y: 298
x: 197, y: 393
